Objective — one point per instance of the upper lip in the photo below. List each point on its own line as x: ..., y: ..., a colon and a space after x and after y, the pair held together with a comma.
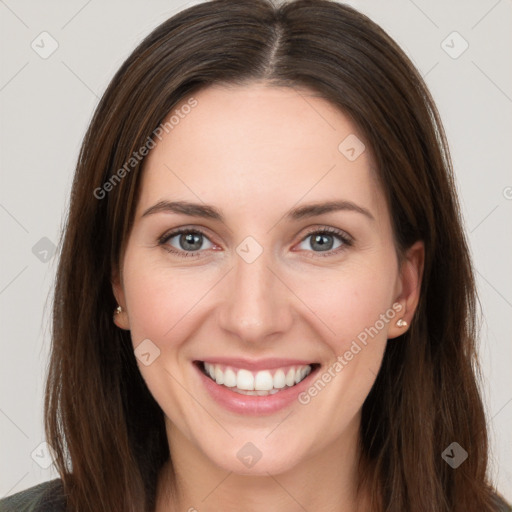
x: 256, y: 364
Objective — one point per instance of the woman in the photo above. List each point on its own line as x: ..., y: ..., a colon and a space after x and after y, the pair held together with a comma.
x: 265, y: 299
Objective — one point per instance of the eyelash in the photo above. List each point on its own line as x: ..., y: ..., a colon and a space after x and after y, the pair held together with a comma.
x: 341, y: 235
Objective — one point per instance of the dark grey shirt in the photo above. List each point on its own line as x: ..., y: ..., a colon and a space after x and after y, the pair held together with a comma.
x: 45, y: 497
x: 49, y: 497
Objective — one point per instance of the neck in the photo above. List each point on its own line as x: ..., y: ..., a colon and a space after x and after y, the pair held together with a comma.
x: 326, y: 481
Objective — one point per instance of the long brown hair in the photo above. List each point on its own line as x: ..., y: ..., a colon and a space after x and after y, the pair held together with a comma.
x: 105, y: 428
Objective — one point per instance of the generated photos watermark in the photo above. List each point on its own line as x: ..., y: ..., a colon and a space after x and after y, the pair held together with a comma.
x: 137, y: 156
x: 335, y: 368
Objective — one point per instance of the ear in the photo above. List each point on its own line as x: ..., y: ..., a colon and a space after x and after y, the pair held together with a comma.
x: 408, y: 287
x: 120, y: 319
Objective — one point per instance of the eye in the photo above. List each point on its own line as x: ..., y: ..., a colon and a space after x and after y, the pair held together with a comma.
x: 324, y: 241
x: 188, y: 242
x: 184, y: 242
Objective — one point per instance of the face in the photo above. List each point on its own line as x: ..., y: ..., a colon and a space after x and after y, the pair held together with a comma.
x: 256, y: 287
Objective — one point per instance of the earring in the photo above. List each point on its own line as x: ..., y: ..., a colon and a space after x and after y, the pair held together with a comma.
x: 118, y: 310
x: 401, y: 323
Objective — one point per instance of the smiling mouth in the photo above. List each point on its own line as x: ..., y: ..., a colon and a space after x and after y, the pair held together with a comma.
x: 256, y: 383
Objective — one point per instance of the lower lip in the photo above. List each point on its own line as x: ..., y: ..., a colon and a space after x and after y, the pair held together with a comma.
x: 253, y: 404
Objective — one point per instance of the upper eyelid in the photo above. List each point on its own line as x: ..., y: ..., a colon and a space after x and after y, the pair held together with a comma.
x: 176, y: 231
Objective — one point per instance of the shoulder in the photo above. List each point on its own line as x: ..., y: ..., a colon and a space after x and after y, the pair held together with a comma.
x: 44, y: 497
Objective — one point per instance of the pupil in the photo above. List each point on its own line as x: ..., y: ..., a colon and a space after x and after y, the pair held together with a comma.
x: 323, y: 244
x: 188, y: 241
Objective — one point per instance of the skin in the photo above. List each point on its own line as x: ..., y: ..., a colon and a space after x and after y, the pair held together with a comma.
x: 255, y: 152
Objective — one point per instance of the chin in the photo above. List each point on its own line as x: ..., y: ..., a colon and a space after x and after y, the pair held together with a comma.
x: 256, y: 458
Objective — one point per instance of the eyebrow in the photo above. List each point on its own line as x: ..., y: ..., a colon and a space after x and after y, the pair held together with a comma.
x: 298, y: 213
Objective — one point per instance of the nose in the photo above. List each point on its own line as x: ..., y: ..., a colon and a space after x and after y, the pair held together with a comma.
x: 258, y: 304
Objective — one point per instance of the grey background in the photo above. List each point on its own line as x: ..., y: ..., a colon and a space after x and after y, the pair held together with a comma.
x: 46, y: 105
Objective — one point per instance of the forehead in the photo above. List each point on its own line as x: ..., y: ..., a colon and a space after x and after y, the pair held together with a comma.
x: 259, y: 145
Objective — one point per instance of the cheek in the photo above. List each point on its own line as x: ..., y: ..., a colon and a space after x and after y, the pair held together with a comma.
x: 356, y: 308
x: 163, y: 305
x: 159, y: 299
x: 351, y: 302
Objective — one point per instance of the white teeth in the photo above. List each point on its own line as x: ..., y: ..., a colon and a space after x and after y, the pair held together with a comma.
x: 303, y: 372
x: 263, y: 381
x: 210, y: 368
x: 229, y: 378
x: 245, y: 380
x: 290, y: 377
x: 279, y: 379
x: 219, y: 376
x: 258, y: 383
